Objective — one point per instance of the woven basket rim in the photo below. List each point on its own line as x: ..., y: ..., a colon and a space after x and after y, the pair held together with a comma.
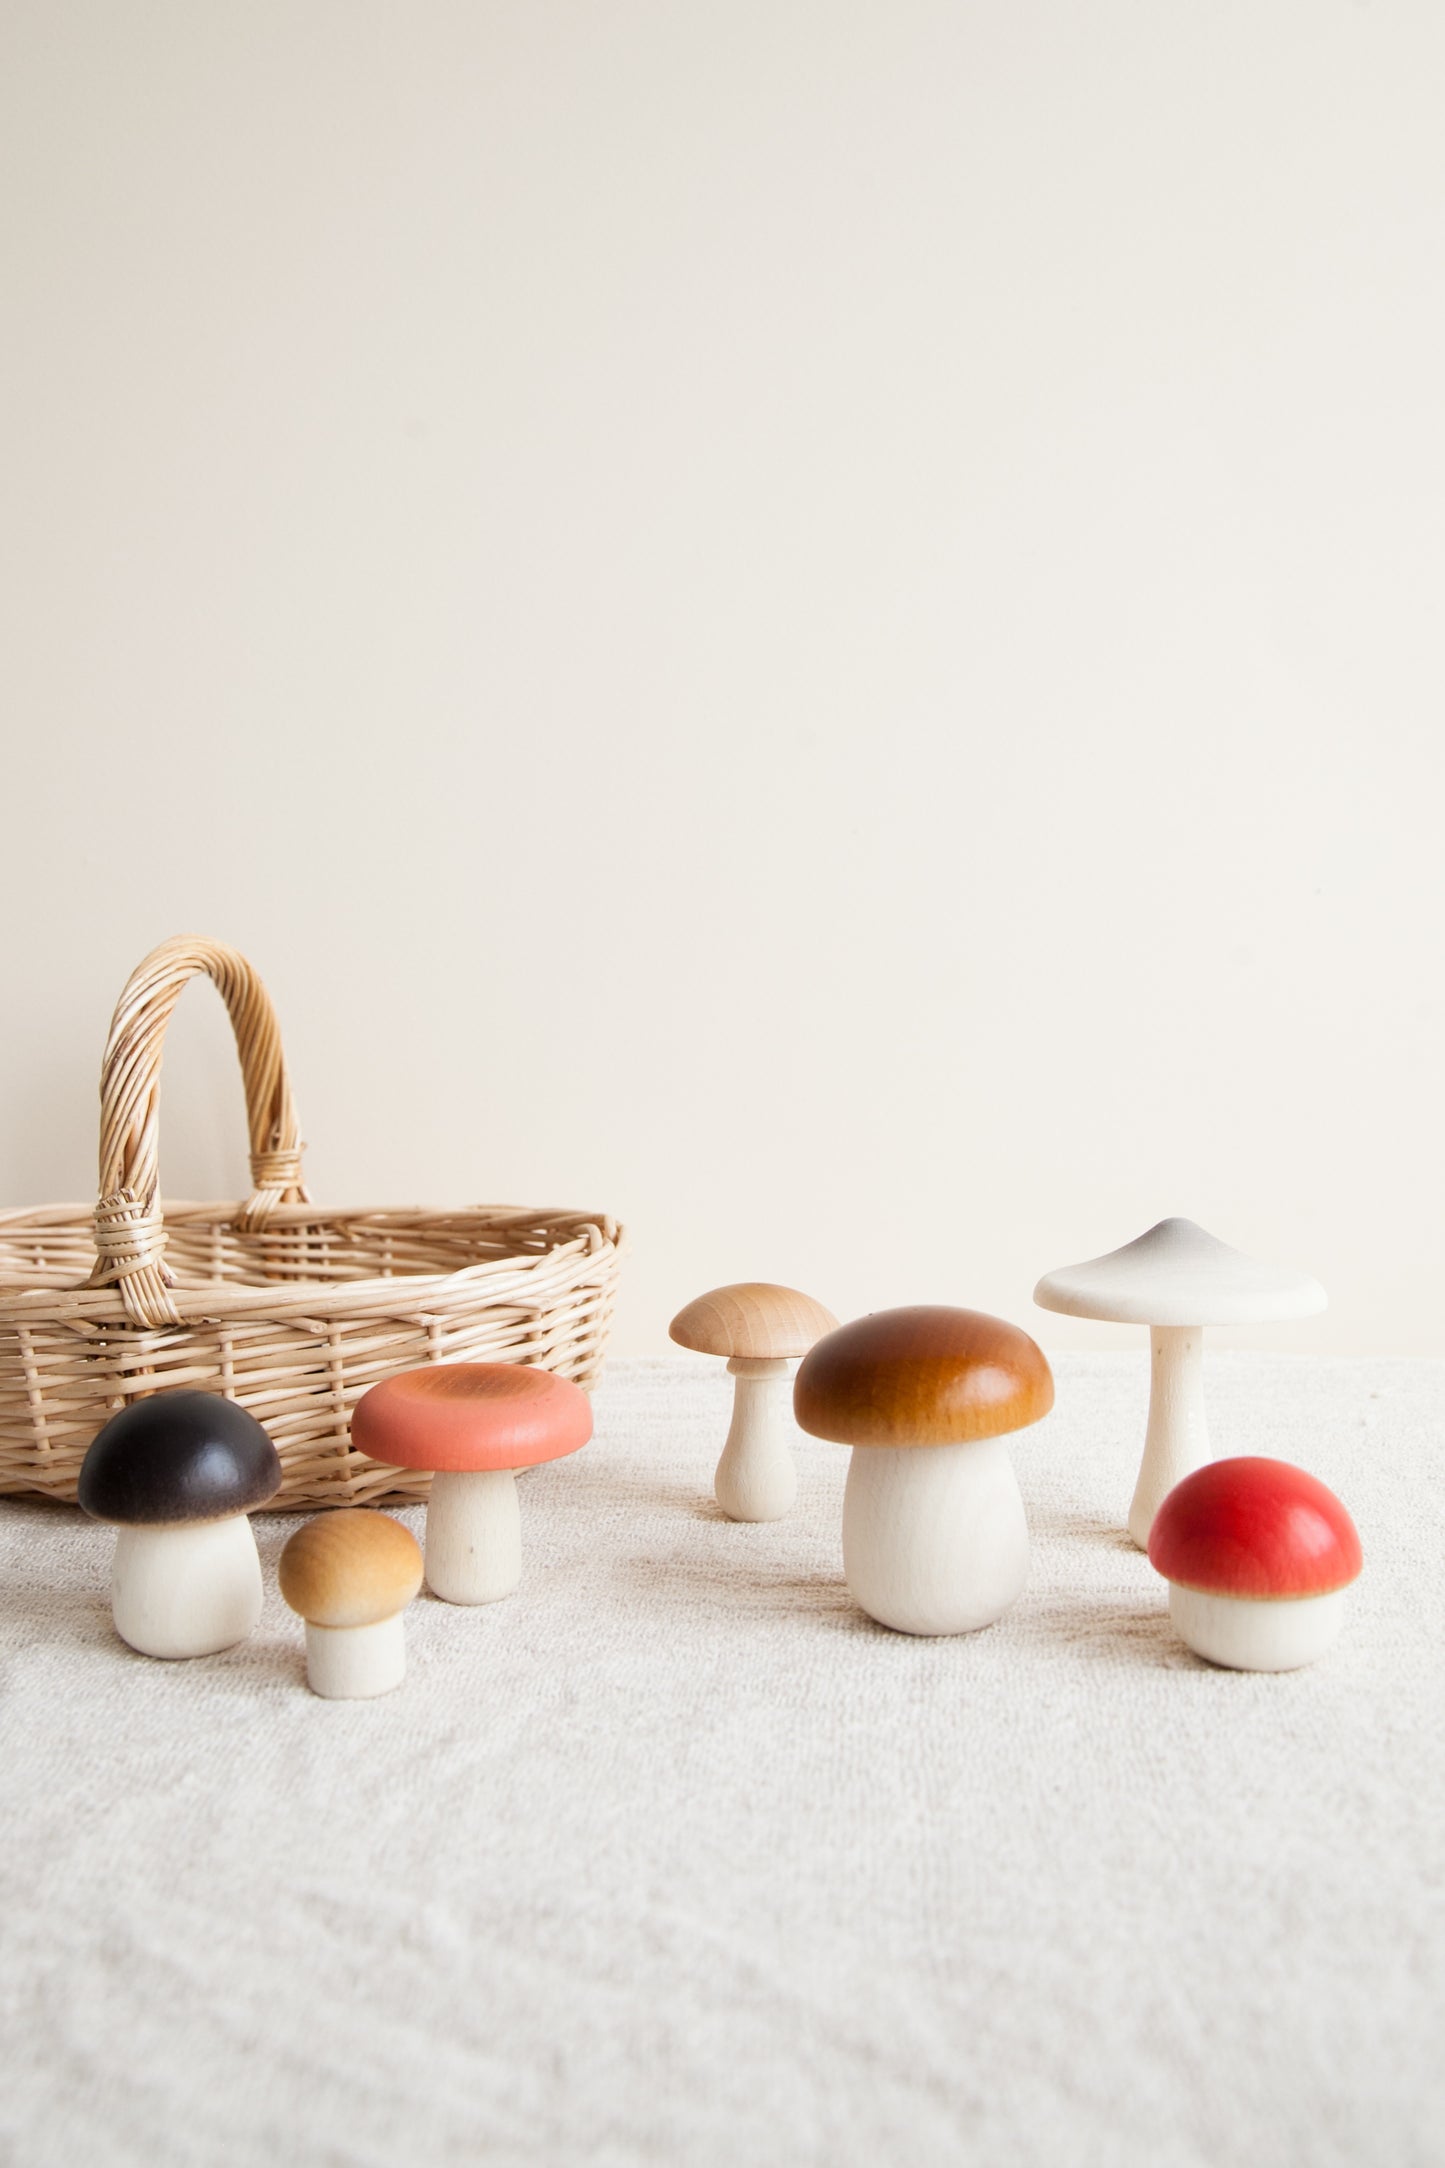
x: 227, y: 1212
x: 295, y: 1299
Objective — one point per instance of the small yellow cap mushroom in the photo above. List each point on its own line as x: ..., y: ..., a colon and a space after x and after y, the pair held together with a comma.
x: 350, y: 1568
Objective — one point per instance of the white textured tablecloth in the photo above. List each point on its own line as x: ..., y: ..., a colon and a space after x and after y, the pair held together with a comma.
x: 675, y: 1857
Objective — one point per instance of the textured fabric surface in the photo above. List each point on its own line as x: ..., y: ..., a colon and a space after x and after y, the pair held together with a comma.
x: 674, y: 1857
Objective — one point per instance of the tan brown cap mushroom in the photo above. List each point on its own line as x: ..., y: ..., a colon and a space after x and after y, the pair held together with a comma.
x: 922, y: 1376
x: 753, y: 1321
x: 350, y: 1568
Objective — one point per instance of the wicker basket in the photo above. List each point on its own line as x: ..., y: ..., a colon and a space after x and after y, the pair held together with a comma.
x: 290, y: 1311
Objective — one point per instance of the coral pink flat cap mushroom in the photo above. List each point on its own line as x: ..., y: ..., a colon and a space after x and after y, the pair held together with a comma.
x: 456, y: 1418
x: 1255, y: 1528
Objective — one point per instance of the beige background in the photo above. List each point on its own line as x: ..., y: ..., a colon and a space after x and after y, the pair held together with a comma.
x: 816, y: 624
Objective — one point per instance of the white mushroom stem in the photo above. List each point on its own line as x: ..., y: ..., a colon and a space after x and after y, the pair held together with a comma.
x: 1247, y: 1634
x: 934, y: 1536
x: 473, y: 1536
x: 756, y: 1479
x: 355, y: 1663
x: 1177, y: 1439
x: 186, y: 1588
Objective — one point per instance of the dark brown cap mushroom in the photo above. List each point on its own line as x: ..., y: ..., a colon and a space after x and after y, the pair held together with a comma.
x: 178, y: 1457
x: 178, y: 1473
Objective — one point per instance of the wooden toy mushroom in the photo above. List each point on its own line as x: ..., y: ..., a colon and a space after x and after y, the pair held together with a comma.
x: 759, y: 1327
x: 1176, y: 1279
x: 472, y: 1425
x: 934, y: 1535
x: 178, y: 1473
x: 1258, y: 1555
x: 351, y: 1574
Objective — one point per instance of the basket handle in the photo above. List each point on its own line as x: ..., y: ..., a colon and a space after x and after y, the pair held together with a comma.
x: 130, y: 1236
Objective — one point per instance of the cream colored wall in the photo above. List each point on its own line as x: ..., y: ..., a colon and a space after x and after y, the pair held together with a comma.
x: 818, y: 624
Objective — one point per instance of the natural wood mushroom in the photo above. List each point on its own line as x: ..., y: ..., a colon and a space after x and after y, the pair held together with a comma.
x: 759, y: 1327
x: 350, y: 1575
x: 177, y: 1473
x: 934, y: 1535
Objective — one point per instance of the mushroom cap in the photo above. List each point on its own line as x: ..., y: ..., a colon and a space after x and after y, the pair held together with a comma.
x: 455, y: 1417
x: 1255, y: 1528
x: 922, y: 1376
x: 1177, y: 1274
x: 178, y: 1457
x: 351, y: 1567
x: 754, y: 1321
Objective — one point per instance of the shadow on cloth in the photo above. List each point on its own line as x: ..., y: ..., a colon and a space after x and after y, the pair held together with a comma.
x: 1081, y: 1527
x: 263, y: 1667
x: 1134, y: 1629
x: 81, y: 1619
x: 750, y: 1589
x: 55, y: 1612
x: 613, y: 1487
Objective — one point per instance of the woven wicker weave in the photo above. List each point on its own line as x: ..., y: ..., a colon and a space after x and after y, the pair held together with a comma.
x: 289, y: 1310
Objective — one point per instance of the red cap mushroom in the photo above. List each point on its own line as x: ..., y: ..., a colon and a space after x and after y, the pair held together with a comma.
x: 472, y: 1425
x: 1257, y: 1554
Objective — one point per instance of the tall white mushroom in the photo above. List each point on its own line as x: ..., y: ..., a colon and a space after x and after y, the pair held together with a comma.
x: 1176, y: 1279
x: 759, y: 1327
